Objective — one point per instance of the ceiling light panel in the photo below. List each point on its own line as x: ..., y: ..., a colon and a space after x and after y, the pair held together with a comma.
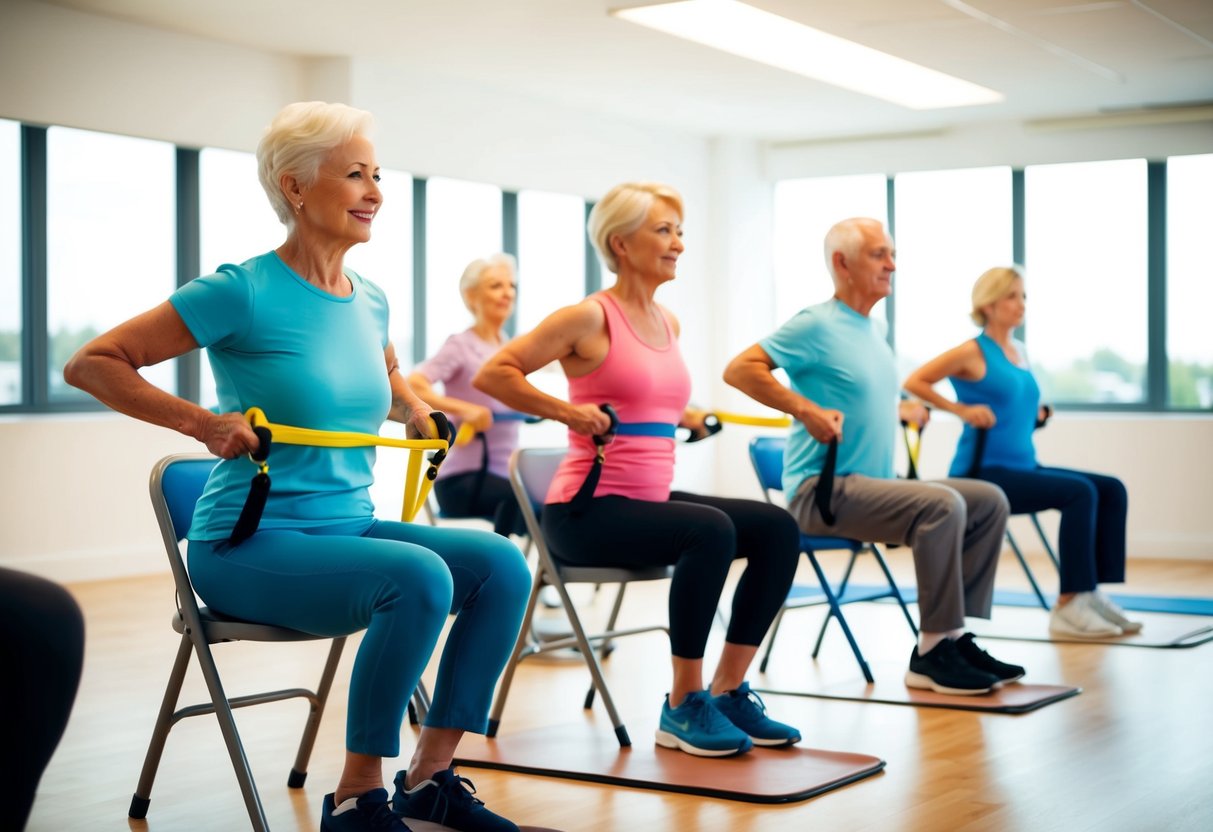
x: 761, y: 36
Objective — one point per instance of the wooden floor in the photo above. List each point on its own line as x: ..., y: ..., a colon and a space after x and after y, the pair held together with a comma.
x: 1133, y: 752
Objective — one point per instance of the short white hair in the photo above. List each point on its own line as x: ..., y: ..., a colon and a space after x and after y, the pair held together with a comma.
x: 475, y: 270
x: 994, y: 285
x: 847, y: 237
x: 623, y: 210
x: 298, y: 140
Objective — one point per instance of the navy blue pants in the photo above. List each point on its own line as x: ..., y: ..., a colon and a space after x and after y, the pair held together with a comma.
x: 1091, y: 544
x: 700, y: 537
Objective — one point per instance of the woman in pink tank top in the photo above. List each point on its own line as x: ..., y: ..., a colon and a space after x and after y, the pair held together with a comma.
x: 620, y: 347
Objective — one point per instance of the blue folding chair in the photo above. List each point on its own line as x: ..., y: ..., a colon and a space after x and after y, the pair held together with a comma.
x: 176, y: 484
x: 766, y: 455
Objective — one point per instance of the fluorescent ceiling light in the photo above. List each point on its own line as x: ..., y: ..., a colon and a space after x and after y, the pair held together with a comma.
x: 752, y: 33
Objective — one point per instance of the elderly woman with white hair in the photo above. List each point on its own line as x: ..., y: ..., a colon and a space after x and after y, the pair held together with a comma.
x: 998, y: 399
x: 620, y: 347
x: 296, y: 333
x: 473, y: 480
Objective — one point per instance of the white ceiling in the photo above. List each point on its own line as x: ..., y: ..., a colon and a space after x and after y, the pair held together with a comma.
x: 1050, y: 58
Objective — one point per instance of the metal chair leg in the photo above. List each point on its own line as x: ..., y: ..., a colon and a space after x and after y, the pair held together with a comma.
x: 836, y: 611
x: 1044, y: 540
x: 524, y: 634
x: 299, y: 772
x: 231, y: 737
x: 888, y: 574
x: 1027, y: 570
x: 164, y: 723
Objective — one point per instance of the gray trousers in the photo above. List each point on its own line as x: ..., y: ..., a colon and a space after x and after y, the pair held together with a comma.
x: 954, y: 527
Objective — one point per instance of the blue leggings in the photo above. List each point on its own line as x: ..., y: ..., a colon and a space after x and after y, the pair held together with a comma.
x: 1091, y: 543
x: 398, y: 581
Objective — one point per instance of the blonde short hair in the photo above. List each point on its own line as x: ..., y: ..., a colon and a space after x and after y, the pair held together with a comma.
x: 298, y: 140
x: 475, y: 270
x: 847, y: 237
x: 992, y: 286
x: 623, y: 210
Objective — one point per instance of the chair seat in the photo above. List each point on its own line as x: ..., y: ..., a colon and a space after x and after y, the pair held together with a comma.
x: 823, y: 542
x: 612, y: 575
x: 220, y: 627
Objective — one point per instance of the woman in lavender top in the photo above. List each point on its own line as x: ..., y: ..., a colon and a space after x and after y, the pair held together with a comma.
x: 472, y: 482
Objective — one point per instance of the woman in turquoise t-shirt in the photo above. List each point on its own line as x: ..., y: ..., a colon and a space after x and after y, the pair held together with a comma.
x: 997, y: 394
x: 295, y: 333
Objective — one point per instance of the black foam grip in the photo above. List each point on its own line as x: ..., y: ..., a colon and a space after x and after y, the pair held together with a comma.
x: 254, y: 507
x: 979, y: 451
x: 711, y: 426
x: 824, y: 493
x: 265, y: 438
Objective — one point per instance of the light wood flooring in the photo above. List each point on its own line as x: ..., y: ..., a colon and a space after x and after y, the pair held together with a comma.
x: 1133, y: 752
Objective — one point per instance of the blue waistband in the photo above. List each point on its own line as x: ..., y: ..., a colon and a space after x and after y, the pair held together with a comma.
x: 662, y: 429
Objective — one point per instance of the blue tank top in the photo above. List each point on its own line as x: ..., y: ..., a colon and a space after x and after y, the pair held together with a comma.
x: 1012, y: 393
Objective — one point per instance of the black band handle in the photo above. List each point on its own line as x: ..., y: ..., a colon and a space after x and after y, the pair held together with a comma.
x: 443, y: 426
x: 979, y: 450
x: 1040, y: 423
x: 581, y: 500
x: 711, y: 426
x: 823, y: 494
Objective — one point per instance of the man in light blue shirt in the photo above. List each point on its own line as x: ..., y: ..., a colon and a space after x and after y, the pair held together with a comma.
x: 842, y: 371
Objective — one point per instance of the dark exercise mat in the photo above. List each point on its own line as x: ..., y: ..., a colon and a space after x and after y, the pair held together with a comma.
x: 787, y: 679
x: 589, y: 752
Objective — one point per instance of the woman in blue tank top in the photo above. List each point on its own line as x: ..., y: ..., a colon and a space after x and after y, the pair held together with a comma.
x: 998, y: 400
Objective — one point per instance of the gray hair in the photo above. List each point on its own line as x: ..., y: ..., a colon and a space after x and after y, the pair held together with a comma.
x: 623, y: 210
x: 298, y: 140
x: 995, y: 284
x: 476, y: 269
x: 846, y: 237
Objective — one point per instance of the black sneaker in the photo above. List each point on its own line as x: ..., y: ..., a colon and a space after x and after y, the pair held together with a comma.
x: 982, y: 660
x: 367, y: 813
x: 448, y: 800
x: 944, y: 670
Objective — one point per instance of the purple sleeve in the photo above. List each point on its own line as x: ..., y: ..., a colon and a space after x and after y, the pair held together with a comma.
x: 447, y: 364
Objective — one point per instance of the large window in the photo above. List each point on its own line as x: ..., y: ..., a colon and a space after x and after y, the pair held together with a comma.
x: 551, y: 255
x: 463, y: 222
x: 1189, y: 281
x: 951, y: 226
x: 805, y: 209
x: 10, y: 263
x: 387, y: 260
x: 1086, y: 256
x: 111, y: 242
x: 236, y: 222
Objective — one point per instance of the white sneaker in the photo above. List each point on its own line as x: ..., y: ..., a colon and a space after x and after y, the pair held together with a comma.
x: 1079, y: 619
x: 1109, y: 610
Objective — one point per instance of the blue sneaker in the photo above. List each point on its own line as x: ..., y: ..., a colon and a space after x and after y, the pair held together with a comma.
x: 698, y: 728
x: 746, y: 710
x: 368, y: 813
x: 449, y: 800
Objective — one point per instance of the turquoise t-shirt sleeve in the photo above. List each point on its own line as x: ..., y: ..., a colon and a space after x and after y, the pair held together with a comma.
x: 790, y: 346
x: 216, y: 308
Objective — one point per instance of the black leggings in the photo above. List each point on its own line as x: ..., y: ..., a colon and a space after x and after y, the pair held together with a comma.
x: 700, y: 537
x: 481, y: 494
x: 41, y: 656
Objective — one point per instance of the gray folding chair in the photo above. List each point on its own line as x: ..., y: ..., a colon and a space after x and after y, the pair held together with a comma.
x: 176, y: 484
x: 531, y: 471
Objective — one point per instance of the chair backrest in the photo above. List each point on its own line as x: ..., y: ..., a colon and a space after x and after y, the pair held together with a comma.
x: 531, y: 472
x: 175, y: 486
x: 766, y: 455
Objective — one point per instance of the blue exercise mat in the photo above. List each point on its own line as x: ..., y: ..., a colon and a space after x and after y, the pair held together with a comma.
x: 1177, y: 605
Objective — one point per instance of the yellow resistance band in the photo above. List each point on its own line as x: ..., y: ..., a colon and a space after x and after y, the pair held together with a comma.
x: 416, y: 487
x: 753, y: 421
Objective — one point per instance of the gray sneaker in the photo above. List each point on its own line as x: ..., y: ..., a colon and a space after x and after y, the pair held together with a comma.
x: 1079, y: 619
x: 1109, y: 610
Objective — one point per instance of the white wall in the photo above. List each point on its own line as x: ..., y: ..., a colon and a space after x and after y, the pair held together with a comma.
x: 74, y: 487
